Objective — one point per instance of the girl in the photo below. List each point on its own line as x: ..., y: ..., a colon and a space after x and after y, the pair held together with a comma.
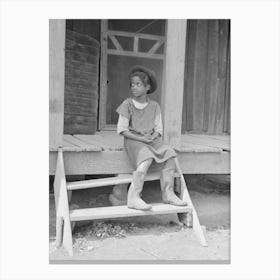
x: 141, y: 125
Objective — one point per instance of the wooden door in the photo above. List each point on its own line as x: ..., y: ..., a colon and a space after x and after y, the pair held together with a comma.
x: 121, y: 48
x: 81, y: 83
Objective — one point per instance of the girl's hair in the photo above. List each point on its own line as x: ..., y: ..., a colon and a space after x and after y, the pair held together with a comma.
x: 143, y: 77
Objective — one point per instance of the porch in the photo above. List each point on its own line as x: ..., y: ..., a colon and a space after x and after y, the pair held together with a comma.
x: 102, y: 153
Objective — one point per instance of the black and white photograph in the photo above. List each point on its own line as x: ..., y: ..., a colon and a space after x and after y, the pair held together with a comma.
x: 140, y: 140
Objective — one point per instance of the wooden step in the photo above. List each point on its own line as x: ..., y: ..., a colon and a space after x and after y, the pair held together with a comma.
x: 124, y: 211
x: 110, y: 181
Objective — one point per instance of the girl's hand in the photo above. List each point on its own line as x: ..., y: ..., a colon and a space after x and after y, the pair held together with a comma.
x: 147, y: 139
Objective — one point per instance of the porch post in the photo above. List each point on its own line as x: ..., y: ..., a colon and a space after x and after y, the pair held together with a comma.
x: 173, y: 80
x: 56, y: 81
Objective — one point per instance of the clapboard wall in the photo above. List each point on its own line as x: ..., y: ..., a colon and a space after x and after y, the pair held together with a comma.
x: 206, y: 107
x: 81, y: 83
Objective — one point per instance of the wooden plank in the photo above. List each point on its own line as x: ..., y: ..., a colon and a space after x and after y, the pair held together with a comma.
x: 189, y: 76
x: 211, y: 89
x: 124, y: 211
x: 174, y: 81
x: 135, y: 43
x: 99, y: 182
x: 82, y: 57
x: 155, y: 47
x: 70, y: 147
x: 226, y: 127
x: 76, y: 73
x: 222, y: 68
x: 186, y: 197
x: 115, y: 142
x: 82, y: 145
x: 82, y: 92
x: 205, y: 141
x: 200, y: 67
x: 81, y: 66
x: 115, y: 42
x: 110, y: 181
x: 81, y: 38
x: 132, y: 34
x: 223, y: 138
x: 188, y: 147
x: 61, y: 205
x: 74, y: 46
x: 56, y: 82
x: 133, y: 54
x: 103, y: 74
x: 93, y: 140
x: 81, y: 82
x: 117, y: 162
x: 67, y: 143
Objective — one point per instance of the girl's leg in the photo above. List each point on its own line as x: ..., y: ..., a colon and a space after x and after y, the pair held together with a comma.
x: 170, y: 163
x: 167, y: 184
x: 144, y: 166
x: 133, y: 197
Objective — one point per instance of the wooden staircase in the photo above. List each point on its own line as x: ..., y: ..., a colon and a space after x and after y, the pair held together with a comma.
x: 64, y: 216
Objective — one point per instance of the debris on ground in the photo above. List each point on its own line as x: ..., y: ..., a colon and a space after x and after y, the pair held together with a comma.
x: 101, y: 230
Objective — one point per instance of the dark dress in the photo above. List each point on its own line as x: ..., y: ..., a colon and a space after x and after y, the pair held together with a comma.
x: 142, y: 121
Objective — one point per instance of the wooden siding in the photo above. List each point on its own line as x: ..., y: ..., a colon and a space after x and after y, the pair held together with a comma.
x: 81, y: 83
x: 206, y: 107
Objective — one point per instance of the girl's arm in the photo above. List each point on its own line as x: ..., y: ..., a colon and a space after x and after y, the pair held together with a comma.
x: 136, y: 137
x: 123, y: 129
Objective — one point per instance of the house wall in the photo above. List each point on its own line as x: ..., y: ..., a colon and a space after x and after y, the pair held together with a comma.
x: 207, y: 77
x: 206, y: 104
x: 82, y: 54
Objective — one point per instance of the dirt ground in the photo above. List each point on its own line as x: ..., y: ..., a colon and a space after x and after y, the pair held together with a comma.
x: 151, y: 238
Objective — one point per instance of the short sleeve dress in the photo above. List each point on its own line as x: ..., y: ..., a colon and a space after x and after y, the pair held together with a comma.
x: 142, y: 121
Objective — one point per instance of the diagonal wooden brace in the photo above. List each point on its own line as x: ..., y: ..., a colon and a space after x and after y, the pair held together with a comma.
x: 63, y: 225
x: 184, y: 194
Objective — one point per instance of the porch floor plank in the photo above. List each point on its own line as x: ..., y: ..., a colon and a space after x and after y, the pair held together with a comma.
x: 93, y: 140
x: 207, y: 141
x: 111, y: 141
x: 78, y: 145
x: 110, y: 138
x: 187, y: 147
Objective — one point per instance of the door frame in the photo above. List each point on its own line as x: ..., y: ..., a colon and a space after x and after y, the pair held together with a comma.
x: 104, y: 34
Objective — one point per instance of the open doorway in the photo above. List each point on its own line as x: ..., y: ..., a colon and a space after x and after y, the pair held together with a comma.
x: 125, y: 43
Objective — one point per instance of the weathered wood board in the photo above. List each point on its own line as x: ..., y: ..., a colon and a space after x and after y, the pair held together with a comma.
x: 81, y: 83
x: 56, y: 82
x: 207, y: 77
x: 117, y: 162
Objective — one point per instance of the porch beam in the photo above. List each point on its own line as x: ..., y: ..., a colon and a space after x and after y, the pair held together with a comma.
x: 134, y: 54
x: 173, y: 80
x: 132, y: 35
x: 56, y: 81
x: 117, y: 162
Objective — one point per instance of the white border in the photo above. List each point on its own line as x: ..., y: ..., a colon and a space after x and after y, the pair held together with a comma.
x: 24, y: 138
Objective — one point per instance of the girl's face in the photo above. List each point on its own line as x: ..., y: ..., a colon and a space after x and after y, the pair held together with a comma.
x: 137, y: 87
